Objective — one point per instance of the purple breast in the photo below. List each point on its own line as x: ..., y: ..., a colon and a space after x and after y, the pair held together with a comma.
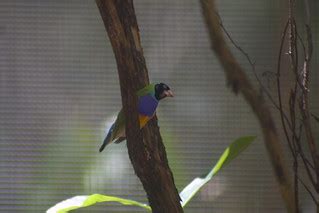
x: 147, y: 105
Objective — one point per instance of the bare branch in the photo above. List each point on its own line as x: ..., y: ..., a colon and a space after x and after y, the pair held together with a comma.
x: 239, y: 82
x: 279, y: 90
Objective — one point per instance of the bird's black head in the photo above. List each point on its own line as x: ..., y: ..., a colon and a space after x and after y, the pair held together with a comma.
x: 162, y: 91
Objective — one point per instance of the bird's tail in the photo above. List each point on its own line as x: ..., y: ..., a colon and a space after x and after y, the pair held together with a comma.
x: 107, y: 139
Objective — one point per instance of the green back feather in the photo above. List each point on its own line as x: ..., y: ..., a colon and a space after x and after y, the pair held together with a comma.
x: 149, y: 89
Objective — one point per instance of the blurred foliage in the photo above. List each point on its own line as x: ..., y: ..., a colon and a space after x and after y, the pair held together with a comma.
x: 186, y: 195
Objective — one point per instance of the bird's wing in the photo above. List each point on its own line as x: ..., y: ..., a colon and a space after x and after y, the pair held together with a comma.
x: 116, y: 131
x: 119, y: 125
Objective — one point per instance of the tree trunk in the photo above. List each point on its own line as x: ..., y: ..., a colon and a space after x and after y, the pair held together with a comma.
x: 145, y: 147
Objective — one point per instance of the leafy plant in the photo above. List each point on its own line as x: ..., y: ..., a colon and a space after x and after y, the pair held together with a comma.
x: 230, y: 153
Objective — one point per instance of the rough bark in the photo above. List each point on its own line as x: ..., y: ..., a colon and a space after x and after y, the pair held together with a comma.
x: 145, y: 147
x: 239, y: 82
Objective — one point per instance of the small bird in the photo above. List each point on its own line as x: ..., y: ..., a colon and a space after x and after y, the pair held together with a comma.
x: 148, y: 99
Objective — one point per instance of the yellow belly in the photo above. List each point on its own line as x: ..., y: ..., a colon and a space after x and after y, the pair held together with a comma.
x: 143, y: 120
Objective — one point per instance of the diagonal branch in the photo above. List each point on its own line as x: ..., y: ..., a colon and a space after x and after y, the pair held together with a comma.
x: 239, y: 82
x: 145, y: 148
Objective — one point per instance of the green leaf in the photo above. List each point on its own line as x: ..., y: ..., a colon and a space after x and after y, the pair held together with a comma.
x: 228, y: 155
x: 186, y: 195
x: 89, y: 200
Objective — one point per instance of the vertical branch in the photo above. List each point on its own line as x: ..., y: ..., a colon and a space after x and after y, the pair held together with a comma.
x: 293, y: 53
x: 145, y: 148
x: 280, y: 108
x: 308, y: 54
x: 295, y: 142
x: 239, y: 82
x: 304, y: 97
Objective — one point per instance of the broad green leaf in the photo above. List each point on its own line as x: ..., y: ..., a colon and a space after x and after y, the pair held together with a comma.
x: 229, y: 154
x: 186, y: 195
x: 89, y: 200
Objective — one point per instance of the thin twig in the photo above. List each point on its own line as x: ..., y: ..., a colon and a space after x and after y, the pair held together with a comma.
x: 293, y: 53
x: 302, y: 44
x: 253, y: 67
x: 309, y: 191
x: 304, y: 159
x: 279, y: 89
x: 292, y: 102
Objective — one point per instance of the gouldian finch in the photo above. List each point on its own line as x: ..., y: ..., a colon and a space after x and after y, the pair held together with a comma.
x: 148, y: 99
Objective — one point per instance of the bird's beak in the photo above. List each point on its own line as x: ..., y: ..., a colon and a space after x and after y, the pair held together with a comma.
x: 169, y: 93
